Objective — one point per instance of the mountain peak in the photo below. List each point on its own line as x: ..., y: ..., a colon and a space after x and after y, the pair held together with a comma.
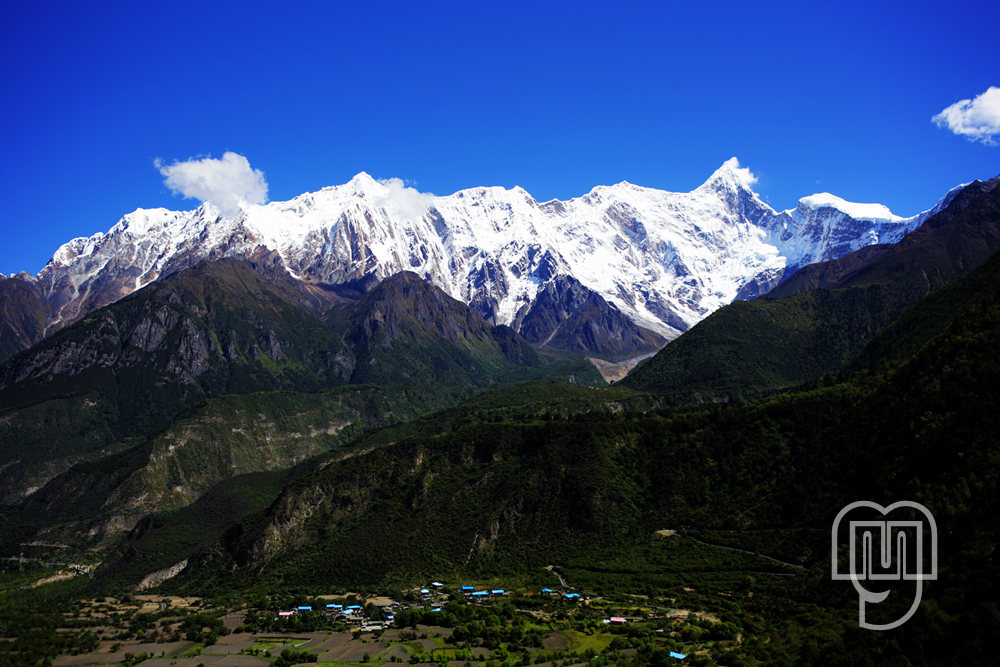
x: 362, y: 177
x: 363, y: 182
x: 730, y: 174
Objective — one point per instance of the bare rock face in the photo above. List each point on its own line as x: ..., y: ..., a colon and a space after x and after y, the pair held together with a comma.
x: 567, y: 316
x: 154, y: 579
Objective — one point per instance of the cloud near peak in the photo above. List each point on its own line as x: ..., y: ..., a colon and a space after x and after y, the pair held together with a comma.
x: 229, y: 183
x: 403, y: 201
x: 978, y: 118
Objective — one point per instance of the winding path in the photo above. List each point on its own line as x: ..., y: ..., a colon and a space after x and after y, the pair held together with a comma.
x: 553, y: 570
x: 752, y: 553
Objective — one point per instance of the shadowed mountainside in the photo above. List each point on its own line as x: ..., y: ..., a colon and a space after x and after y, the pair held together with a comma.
x: 125, y: 371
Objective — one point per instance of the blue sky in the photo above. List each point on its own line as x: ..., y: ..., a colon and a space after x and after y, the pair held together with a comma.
x: 555, y: 97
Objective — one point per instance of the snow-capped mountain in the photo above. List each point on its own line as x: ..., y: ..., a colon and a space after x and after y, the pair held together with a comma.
x: 665, y: 259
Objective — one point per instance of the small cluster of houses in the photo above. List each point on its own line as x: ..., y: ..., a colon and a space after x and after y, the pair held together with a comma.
x: 471, y: 593
x: 353, y: 615
x: 568, y: 597
x: 474, y: 595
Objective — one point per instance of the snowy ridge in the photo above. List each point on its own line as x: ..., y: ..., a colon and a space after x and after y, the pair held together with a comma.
x: 666, y: 259
x: 869, y: 211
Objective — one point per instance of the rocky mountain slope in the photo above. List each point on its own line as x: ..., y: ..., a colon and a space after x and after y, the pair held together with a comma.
x: 664, y: 259
x: 568, y: 316
x: 215, y: 442
x: 234, y: 327
x: 24, y: 315
x: 758, y: 347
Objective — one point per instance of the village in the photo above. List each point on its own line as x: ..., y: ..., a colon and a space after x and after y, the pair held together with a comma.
x: 432, y: 599
x: 436, y: 624
x: 559, y: 615
x: 380, y: 614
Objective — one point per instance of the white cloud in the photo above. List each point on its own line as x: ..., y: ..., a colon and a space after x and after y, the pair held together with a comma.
x: 743, y: 174
x: 401, y: 201
x: 229, y: 184
x: 977, y: 119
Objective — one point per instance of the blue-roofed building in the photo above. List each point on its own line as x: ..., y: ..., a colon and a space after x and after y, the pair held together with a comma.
x: 547, y: 590
x: 480, y: 594
x: 571, y: 596
x: 304, y: 607
x: 678, y: 656
x: 497, y: 591
x: 468, y: 589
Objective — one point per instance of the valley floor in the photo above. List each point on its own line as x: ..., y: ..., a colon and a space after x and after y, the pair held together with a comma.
x: 558, y: 631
